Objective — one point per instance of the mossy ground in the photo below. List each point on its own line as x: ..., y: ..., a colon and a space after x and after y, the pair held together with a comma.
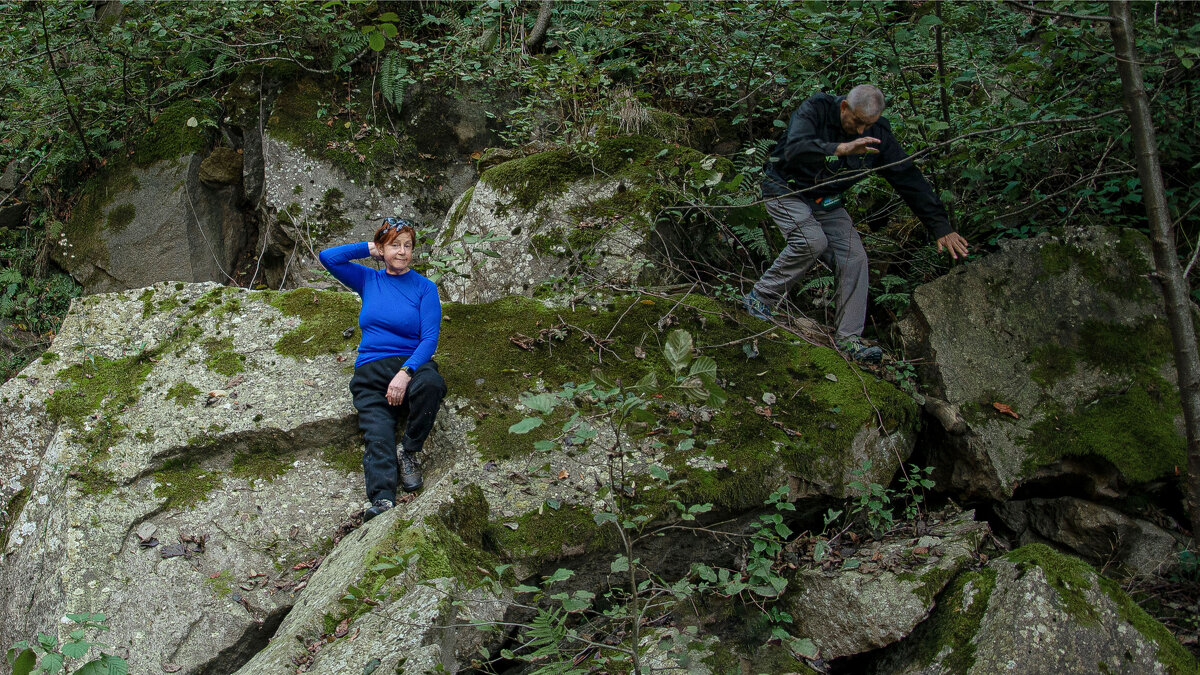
x: 324, y: 316
x: 1104, y: 270
x: 810, y: 428
x: 98, y: 385
x: 1131, y: 425
x: 267, y: 462
x: 346, y: 457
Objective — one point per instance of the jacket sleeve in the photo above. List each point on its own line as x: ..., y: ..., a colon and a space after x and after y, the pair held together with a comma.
x: 337, y: 261
x: 430, y: 313
x: 803, y: 142
x: 911, y: 185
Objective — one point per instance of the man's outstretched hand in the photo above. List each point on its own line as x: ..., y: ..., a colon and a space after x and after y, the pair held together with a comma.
x: 954, y: 243
x: 858, y: 146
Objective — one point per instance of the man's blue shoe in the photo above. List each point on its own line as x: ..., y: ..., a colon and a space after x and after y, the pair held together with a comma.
x: 756, y: 307
x: 853, y: 345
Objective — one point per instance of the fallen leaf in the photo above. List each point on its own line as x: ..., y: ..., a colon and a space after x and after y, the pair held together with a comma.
x: 564, y: 474
x: 342, y: 628
x: 764, y: 410
x: 511, y: 525
x: 768, y: 398
x: 831, y: 377
x: 1005, y: 409
x: 921, y: 550
x: 235, y: 381
x: 171, y: 668
x: 639, y: 352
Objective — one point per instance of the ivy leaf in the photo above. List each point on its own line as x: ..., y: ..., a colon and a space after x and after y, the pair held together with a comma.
x: 525, y: 426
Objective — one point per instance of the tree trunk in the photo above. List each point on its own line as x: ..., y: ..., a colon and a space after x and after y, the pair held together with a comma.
x: 1162, y: 237
x: 538, y: 35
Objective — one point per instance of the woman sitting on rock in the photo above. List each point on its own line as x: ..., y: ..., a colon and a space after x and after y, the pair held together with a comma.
x: 395, y: 372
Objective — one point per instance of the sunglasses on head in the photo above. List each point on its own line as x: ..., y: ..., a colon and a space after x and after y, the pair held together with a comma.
x: 398, y: 224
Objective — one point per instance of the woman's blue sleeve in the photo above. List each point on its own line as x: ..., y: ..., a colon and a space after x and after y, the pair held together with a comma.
x: 430, y: 312
x: 337, y: 261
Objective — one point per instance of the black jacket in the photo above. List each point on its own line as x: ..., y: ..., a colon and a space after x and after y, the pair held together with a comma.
x: 804, y: 159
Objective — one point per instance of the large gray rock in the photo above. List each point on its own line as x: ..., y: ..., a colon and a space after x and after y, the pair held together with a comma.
x: 1066, y: 332
x: 885, y: 593
x: 158, y: 223
x: 1101, y: 535
x: 1037, y: 611
x: 167, y: 414
x: 556, y: 215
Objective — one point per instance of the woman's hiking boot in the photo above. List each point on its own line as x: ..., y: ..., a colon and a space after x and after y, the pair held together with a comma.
x: 377, y: 507
x: 410, y: 472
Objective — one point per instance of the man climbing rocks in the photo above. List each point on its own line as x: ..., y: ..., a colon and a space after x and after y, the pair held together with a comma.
x: 832, y: 143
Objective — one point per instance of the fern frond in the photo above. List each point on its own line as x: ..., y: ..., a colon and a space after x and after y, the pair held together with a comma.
x: 391, y: 73
x: 752, y: 238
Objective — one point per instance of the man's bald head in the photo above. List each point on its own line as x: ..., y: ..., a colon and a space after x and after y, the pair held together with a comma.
x: 867, y: 101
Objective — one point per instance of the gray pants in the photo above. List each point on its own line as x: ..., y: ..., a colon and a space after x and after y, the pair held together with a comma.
x: 825, y: 235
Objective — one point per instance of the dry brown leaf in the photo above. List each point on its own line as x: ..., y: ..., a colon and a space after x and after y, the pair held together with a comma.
x: 564, y: 474
x: 1005, y: 409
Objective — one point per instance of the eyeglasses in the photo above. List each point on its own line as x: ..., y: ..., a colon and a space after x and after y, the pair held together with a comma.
x: 398, y: 224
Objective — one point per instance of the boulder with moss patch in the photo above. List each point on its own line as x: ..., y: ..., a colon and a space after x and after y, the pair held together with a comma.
x: 883, y: 590
x: 554, y: 215
x: 131, y: 442
x: 151, y: 218
x: 1067, y: 332
x: 1032, y: 611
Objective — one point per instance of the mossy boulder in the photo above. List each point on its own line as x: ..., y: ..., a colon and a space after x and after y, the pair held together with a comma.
x: 1037, y: 610
x: 150, y: 218
x: 556, y: 215
x: 883, y: 590
x: 130, y: 435
x: 1066, y: 331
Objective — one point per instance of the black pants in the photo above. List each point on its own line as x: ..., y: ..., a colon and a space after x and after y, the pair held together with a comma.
x: 377, y: 419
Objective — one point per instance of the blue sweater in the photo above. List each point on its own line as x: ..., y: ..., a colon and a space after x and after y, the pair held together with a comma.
x: 401, y: 314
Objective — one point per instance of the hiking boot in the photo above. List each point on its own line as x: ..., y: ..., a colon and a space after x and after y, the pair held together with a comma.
x: 858, y: 351
x: 410, y: 472
x: 756, y: 307
x: 377, y: 507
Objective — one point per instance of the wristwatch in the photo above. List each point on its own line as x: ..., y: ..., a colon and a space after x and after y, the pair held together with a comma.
x: 409, y: 370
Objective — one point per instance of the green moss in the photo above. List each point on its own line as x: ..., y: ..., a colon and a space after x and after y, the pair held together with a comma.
x: 461, y: 209
x: 491, y: 371
x: 183, y: 483
x: 296, y: 119
x: 953, y: 626
x: 329, y: 215
x: 146, y: 298
x: 551, y: 243
x: 932, y: 583
x: 540, y: 537
x: 1131, y: 425
x: 261, y: 462
x: 170, y: 136
x: 221, y: 357
x: 119, y: 217
x: 1068, y: 575
x: 1052, y: 362
x: 324, y: 315
x: 1177, y: 659
x: 1120, y: 272
x: 9, y: 515
x: 222, y: 584
x: 87, y: 219
x: 49, y: 357
x: 101, y: 386
x: 639, y: 159
x: 346, y: 457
